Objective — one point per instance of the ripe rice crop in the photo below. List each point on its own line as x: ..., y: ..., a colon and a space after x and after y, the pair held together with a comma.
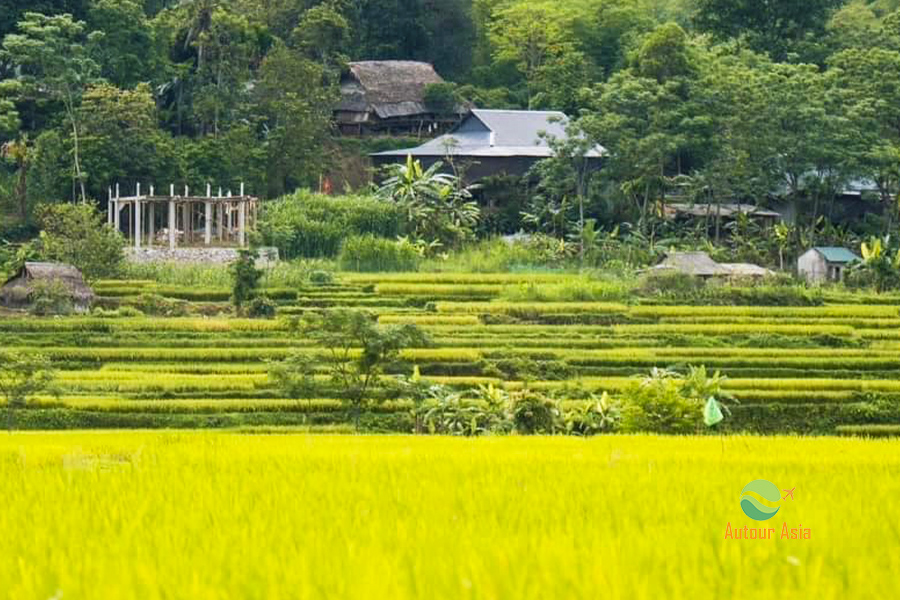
x: 454, y: 320
x: 453, y: 278
x: 849, y: 310
x: 432, y: 289
x: 143, y: 515
x: 531, y: 308
x: 721, y: 329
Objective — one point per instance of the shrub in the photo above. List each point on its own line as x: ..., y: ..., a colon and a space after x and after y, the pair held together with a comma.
x: 321, y: 278
x: 368, y: 253
x: 154, y: 304
x: 678, y: 285
x: 312, y: 225
x: 597, y: 415
x: 261, y: 307
x: 534, y: 413
x: 659, y: 408
x: 50, y: 298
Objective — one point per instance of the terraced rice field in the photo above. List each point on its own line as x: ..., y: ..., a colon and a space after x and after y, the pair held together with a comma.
x: 209, y: 515
x: 791, y: 368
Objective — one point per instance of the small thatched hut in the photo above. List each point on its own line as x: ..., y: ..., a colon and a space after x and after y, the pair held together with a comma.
x: 18, y: 291
x: 388, y: 96
x: 698, y: 264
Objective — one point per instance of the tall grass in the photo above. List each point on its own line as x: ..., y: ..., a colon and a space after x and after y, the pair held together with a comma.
x: 283, y: 274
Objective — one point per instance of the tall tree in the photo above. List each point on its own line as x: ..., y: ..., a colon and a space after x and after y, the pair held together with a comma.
x: 868, y: 80
x: 52, y: 56
x: 296, y: 110
x: 128, y: 54
x: 776, y: 27
x: 121, y: 140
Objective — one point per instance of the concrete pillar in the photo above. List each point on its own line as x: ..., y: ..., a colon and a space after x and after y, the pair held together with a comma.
x: 220, y: 213
x: 207, y: 237
x: 109, y: 206
x: 242, y: 222
x: 137, y: 224
x: 186, y: 221
x: 116, y: 209
x: 171, y: 224
x: 152, y: 221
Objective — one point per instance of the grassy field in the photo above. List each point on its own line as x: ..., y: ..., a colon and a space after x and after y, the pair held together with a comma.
x: 223, y: 515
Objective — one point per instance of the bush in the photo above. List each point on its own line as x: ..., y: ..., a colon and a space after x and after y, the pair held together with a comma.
x: 368, y: 253
x: 597, y: 415
x: 321, y: 278
x: 678, y: 285
x: 658, y: 404
x: 50, y: 298
x: 534, y: 413
x: 312, y: 225
x: 261, y: 307
x: 154, y: 304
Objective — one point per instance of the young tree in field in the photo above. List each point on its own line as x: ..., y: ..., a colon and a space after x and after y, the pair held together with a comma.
x: 21, y: 377
x: 244, y: 277
x: 52, y: 58
x: 358, y: 349
x: 569, y: 172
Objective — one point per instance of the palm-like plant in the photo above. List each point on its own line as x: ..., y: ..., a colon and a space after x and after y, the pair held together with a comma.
x: 438, y: 207
x: 877, y: 260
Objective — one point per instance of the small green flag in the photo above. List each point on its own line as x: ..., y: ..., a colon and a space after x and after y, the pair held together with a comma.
x: 712, y: 414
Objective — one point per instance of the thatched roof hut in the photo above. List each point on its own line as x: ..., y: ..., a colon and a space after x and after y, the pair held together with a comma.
x: 389, y: 96
x: 18, y: 291
x: 698, y: 264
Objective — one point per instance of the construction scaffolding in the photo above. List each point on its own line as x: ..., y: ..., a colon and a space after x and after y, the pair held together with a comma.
x: 184, y: 220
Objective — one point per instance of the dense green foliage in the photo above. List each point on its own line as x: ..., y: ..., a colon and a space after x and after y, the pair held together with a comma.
x: 312, y: 225
x: 744, y: 99
x: 78, y: 235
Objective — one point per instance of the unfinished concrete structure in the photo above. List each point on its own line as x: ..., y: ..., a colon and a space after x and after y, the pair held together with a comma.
x: 145, y: 219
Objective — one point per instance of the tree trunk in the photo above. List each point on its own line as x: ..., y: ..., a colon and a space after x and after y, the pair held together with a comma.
x: 70, y: 109
x: 22, y: 190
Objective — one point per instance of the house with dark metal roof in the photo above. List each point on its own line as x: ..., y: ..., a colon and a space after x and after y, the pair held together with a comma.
x: 388, y: 96
x: 824, y: 263
x: 492, y: 142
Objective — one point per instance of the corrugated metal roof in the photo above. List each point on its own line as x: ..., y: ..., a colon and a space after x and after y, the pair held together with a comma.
x: 836, y: 254
x: 505, y: 133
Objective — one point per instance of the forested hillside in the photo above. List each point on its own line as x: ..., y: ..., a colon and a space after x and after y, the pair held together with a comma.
x: 717, y: 99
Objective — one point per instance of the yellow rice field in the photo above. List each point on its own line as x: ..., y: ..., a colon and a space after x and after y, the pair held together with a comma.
x: 230, y: 515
